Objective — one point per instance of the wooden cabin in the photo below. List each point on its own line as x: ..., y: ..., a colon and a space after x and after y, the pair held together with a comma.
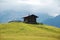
x: 30, y: 19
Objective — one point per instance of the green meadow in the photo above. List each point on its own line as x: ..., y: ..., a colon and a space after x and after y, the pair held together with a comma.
x: 24, y: 31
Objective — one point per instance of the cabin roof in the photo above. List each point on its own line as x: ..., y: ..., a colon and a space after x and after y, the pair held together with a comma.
x: 31, y: 16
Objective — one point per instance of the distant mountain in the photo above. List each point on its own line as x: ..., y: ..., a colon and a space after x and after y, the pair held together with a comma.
x: 9, y: 15
x: 53, y: 21
x: 42, y: 17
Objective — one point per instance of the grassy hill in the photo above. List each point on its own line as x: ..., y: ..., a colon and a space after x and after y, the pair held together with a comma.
x: 23, y: 31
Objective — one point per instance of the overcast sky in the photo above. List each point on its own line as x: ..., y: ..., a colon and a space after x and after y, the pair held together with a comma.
x: 51, y: 7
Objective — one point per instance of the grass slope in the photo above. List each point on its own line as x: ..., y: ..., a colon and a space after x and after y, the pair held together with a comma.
x: 23, y: 31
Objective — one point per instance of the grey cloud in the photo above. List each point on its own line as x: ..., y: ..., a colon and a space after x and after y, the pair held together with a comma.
x: 50, y: 9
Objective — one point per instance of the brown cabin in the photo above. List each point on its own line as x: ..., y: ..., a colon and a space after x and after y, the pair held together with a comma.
x: 30, y: 19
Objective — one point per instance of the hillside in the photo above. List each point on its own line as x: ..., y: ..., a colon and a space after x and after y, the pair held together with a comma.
x: 23, y: 31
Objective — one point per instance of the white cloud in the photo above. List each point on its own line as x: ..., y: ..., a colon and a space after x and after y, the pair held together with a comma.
x: 52, y: 7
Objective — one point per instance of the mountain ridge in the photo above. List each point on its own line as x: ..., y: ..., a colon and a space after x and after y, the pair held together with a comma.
x: 53, y: 21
